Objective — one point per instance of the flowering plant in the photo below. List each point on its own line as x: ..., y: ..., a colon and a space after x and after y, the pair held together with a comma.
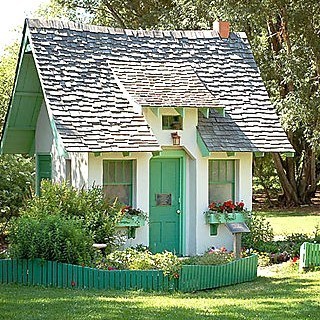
x: 226, y: 207
x: 129, y: 212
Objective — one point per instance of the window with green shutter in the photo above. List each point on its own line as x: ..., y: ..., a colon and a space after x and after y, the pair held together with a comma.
x: 221, y: 180
x: 118, y: 180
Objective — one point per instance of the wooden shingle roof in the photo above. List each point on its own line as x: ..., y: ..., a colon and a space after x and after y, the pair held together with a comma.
x: 94, y: 76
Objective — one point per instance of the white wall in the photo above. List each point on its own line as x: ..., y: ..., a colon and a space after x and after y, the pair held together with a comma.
x: 141, y: 182
x: 243, y: 192
x: 48, y: 143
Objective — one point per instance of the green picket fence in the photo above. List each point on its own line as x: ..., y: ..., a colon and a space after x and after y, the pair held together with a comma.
x: 194, y: 278
x: 309, y: 255
x: 63, y: 275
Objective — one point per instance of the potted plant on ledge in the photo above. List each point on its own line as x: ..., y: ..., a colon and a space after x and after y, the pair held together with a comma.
x: 132, y: 217
x: 225, y: 212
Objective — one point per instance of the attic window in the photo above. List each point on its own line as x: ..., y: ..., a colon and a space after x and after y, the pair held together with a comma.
x: 172, y: 122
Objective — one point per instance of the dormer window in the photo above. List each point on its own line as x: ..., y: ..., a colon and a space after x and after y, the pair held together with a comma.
x: 172, y: 122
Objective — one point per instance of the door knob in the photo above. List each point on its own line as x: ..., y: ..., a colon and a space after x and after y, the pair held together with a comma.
x: 178, y: 211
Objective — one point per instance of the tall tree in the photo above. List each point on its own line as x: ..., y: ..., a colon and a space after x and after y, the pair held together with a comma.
x: 7, y: 69
x: 285, y: 37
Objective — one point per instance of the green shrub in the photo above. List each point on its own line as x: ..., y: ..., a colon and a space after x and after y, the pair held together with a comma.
x: 98, y: 216
x: 51, y: 238
x: 260, y: 233
x: 137, y: 259
x: 212, y: 257
x: 260, y: 241
x: 16, y: 184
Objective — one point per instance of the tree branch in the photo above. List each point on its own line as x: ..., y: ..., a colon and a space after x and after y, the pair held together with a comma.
x: 114, y: 13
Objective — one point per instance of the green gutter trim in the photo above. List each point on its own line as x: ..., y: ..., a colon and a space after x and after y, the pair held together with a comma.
x: 202, y: 146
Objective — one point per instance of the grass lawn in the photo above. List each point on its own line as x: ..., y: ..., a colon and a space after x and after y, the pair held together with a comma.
x: 283, y: 295
x: 298, y: 220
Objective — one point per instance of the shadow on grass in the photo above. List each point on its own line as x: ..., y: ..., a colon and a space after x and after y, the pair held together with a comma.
x: 265, y: 298
x: 312, y: 211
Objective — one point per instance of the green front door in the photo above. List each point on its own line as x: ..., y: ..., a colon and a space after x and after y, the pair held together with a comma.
x: 165, y: 205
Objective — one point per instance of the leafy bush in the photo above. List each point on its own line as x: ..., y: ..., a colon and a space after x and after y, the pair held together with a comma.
x: 136, y: 259
x: 51, y: 238
x: 16, y: 184
x: 212, y: 257
x: 261, y: 233
x: 98, y: 216
x: 260, y: 241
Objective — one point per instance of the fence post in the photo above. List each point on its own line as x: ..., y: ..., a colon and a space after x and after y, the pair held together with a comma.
x: 302, y: 259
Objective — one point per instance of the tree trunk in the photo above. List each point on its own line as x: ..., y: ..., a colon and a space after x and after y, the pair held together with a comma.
x: 290, y: 192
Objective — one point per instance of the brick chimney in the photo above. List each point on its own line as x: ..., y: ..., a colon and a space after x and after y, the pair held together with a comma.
x: 223, y: 28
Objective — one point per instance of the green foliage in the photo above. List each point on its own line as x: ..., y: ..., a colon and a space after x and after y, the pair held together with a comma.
x: 137, y: 259
x: 16, y: 185
x: 8, y: 63
x: 261, y: 232
x: 210, y: 258
x: 98, y: 217
x: 51, y: 238
x: 261, y: 242
x: 16, y: 172
x: 265, y: 178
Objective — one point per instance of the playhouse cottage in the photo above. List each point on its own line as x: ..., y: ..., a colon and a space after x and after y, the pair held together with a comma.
x: 168, y: 121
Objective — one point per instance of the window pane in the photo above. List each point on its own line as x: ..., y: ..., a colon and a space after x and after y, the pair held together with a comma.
x: 109, y: 171
x: 222, y: 170
x: 122, y: 192
x: 127, y: 172
x: 220, y: 192
x: 117, y: 180
x: 119, y: 172
x: 221, y: 180
x: 213, y: 171
x: 230, y: 171
x: 172, y: 123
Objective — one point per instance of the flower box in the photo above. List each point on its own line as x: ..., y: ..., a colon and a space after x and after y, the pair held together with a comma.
x: 134, y: 221
x: 217, y: 217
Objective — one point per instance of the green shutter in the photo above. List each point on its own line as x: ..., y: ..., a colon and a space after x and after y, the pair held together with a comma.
x: 44, y: 169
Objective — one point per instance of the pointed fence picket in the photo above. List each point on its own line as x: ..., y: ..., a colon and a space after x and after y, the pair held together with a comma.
x: 309, y: 255
x: 63, y: 275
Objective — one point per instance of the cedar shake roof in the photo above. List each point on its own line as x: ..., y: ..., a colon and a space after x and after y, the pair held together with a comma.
x: 94, y: 76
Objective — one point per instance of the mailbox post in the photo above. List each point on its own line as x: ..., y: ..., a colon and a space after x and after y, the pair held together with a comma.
x: 237, y: 228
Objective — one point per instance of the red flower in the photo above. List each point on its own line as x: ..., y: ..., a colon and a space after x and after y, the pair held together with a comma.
x: 125, y: 209
x: 295, y: 259
x: 212, y: 206
x: 73, y: 283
